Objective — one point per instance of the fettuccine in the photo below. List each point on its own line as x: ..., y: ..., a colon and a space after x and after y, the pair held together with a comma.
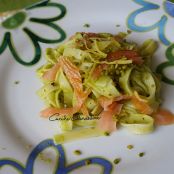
x: 94, y: 82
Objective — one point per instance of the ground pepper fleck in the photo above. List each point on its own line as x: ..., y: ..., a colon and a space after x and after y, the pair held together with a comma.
x: 141, y: 154
x: 130, y: 146
x: 77, y: 152
x: 117, y: 160
x: 87, y: 162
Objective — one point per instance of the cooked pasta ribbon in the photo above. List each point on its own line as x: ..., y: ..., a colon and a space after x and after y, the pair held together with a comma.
x: 101, y: 76
x: 138, y: 123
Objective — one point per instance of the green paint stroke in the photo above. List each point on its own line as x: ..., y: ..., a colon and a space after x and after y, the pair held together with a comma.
x: 168, y: 64
x: 14, y: 21
x: 19, y: 18
x: 9, y: 5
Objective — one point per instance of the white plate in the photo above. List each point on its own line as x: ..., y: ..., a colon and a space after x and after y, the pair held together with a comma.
x: 20, y: 124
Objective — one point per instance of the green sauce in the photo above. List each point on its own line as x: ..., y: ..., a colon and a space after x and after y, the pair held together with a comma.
x: 15, y: 21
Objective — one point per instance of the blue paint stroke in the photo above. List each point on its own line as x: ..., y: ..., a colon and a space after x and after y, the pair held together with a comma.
x: 169, y: 7
x: 61, y: 167
x: 12, y: 163
x: 159, y: 25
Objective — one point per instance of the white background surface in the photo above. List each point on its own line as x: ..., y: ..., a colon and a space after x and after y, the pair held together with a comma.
x: 20, y: 124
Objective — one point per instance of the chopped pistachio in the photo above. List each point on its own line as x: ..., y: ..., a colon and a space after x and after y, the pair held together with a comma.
x: 129, y: 31
x: 86, y: 25
x: 53, y: 84
x: 87, y: 162
x: 130, y: 146
x: 16, y: 82
x: 77, y: 152
x: 106, y: 133
x: 117, y: 160
x: 141, y: 154
x: 117, y: 25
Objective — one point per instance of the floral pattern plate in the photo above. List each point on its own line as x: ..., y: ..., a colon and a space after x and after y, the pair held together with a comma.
x: 26, y: 146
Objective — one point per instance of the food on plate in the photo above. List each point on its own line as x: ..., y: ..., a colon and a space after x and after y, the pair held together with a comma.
x: 117, y: 161
x: 95, y: 82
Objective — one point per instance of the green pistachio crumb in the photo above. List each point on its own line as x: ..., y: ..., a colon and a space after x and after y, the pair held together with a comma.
x: 117, y: 25
x: 130, y: 146
x: 87, y: 162
x: 16, y: 82
x: 77, y: 152
x: 141, y: 154
x: 117, y: 160
x: 129, y: 31
x: 106, y: 133
x: 86, y: 25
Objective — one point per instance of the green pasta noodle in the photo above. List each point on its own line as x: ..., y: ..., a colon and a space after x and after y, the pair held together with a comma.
x: 113, y: 70
x: 138, y: 123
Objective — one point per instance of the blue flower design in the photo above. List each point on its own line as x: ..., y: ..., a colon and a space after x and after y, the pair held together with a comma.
x: 62, y: 167
x: 168, y: 6
x: 159, y: 25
